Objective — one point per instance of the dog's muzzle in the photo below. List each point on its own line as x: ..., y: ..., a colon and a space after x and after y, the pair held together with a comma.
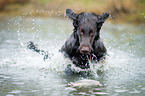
x: 85, y: 50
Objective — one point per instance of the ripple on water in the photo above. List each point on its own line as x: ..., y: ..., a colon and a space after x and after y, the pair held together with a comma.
x: 143, y: 88
x: 15, y: 91
x: 120, y: 90
x: 35, y: 91
x: 10, y: 95
x: 100, y: 93
x: 19, y: 83
x: 135, y: 91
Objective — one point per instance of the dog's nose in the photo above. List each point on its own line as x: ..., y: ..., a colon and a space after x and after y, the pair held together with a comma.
x: 85, y: 50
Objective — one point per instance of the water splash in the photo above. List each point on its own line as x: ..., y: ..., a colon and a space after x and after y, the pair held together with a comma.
x: 22, y: 68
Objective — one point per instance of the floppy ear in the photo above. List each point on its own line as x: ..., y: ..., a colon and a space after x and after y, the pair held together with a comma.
x: 70, y: 14
x: 102, y: 18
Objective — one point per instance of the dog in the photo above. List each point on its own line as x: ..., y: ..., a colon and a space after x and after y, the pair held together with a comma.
x: 84, y: 44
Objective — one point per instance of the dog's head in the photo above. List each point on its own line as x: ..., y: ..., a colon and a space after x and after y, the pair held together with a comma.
x: 87, y: 27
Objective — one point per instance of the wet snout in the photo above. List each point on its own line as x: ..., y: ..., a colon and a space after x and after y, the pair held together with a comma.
x: 85, y: 49
x: 85, y: 45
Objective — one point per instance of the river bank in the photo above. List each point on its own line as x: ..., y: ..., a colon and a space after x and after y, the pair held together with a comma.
x: 121, y: 11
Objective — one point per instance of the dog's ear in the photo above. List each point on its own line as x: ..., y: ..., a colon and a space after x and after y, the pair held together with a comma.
x: 70, y: 14
x: 102, y: 18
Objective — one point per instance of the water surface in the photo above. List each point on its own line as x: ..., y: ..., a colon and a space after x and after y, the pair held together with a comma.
x: 24, y: 73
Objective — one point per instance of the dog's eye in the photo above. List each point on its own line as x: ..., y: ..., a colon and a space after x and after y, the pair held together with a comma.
x: 91, y: 32
x: 81, y: 31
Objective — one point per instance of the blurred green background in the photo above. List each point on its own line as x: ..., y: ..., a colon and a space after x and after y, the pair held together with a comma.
x: 121, y: 11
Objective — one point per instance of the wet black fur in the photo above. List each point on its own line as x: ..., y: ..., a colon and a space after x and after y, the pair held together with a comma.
x: 71, y: 46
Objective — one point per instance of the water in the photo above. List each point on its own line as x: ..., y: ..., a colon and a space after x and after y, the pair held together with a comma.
x: 24, y: 73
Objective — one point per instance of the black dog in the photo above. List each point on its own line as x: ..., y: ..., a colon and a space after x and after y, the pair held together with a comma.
x: 84, y: 43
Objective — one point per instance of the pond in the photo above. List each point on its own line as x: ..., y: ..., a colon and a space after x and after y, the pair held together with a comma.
x: 24, y: 73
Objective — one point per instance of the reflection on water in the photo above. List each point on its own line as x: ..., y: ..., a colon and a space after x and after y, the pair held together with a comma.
x: 23, y: 72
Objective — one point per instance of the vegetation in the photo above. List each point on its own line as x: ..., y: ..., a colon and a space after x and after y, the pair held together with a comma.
x: 123, y: 11
x: 131, y: 11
